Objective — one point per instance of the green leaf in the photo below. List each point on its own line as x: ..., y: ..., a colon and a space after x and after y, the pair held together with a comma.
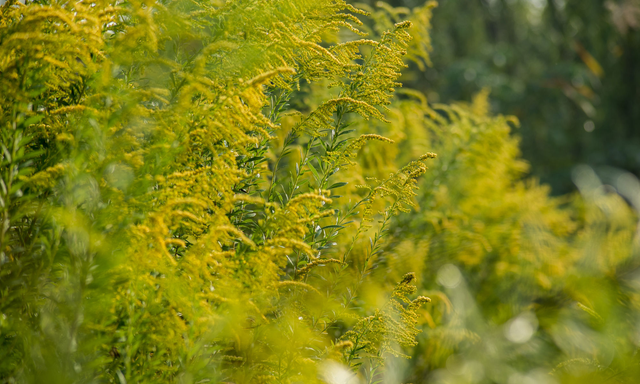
x: 345, y: 132
x: 33, y: 120
x: 314, y: 172
x: 337, y: 185
x: 279, y: 198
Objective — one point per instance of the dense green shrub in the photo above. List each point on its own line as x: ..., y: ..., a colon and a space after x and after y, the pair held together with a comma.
x: 155, y: 229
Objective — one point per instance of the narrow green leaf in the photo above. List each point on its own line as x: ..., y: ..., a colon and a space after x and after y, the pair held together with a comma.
x: 314, y: 172
x: 337, y: 185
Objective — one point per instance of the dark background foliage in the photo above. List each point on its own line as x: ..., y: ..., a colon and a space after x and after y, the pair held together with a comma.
x: 568, y: 69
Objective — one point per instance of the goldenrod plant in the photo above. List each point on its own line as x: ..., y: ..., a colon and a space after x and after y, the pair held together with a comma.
x: 154, y: 228
x: 525, y: 287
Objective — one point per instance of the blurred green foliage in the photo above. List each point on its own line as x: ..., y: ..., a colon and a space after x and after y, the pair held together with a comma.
x: 525, y: 287
x: 568, y: 69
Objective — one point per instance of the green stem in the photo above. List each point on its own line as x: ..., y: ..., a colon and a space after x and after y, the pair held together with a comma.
x: 274, y: 115
x: 303, y: 162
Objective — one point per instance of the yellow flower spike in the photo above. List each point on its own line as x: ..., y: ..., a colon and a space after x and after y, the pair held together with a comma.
x: 302, y: 272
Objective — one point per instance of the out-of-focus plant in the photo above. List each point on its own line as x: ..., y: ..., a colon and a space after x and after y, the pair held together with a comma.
x: 525, y: 287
